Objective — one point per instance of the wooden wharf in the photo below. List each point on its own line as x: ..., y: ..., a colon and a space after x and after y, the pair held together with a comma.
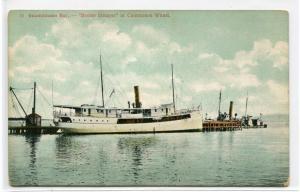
x: 33, y: 130
x: 225, y: 125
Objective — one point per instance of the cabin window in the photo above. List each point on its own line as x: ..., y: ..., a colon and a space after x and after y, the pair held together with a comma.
x: 155, y: 110
x: 162, y: 109
x: 85, y: 120
x: 90, y: 120
x: 84, y: 110
x: 78, y: 119
x: 96, y: 120
x: 101, y: 111
x: 109, y: 111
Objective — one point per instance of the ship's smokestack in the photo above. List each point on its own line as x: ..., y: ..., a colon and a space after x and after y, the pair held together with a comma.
x: 137, y: 97
x: 230, y: 109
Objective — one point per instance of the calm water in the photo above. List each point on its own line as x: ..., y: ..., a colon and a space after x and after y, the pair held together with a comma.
x: 253, y: 157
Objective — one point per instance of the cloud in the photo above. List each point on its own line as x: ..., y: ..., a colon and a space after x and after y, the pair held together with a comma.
x: 129, y: 59
x: 228, y: 74
x: 213, y: 86
x: 110, y: 34
x: 174, y: 48
x: 118, y: 39
x: 279, y: 55
x: 29, y: 57
x: 149, y: 35
x: 66, y: 32
x: 206, y: 55
x: 264, y: 50
x: 140, y: 55
x: 278, y: 91
x: 238, y: 71
x: 242, y: 80
x: 75, y: 37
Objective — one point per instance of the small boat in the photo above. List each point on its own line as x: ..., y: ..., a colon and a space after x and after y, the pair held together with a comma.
x: 90, y: 119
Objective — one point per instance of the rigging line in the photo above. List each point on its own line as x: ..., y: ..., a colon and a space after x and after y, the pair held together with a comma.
x: 122, y: 94
x: 97, y: 91
x: 17, y: 110
x: 44, y: 97
x: 21, y: 89
x: 43, y: 108
x: 117, y: 100
x: 30, y: 101
x: 112, y: 83
x: 109, y: 98
x: 117, y: 80
x: 97, y: 86
x: 11, y: 98
x: 12, y: 103
x: 121, y: 90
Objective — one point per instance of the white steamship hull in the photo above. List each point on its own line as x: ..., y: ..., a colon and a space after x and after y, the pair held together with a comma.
x: 110, y: 125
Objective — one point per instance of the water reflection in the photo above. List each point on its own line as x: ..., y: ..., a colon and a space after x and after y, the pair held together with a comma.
x: 137, y: 148
x: 32, y: 141
x: 170, y: 164
x: 82, y: 152
x: 102, y: 167
x: 231, y: 139
x: 63, y: 144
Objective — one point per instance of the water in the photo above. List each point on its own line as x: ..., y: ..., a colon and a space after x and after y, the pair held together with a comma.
x: 253, y: 157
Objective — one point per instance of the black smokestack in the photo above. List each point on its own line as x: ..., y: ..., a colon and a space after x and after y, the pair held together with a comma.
x: 230, y: 109
x: 137, y: 97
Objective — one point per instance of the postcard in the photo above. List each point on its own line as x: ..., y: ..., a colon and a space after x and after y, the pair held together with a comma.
x: 148, y: 98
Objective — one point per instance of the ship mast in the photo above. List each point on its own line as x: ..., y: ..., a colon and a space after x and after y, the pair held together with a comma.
x: 246, y: 105
x: 173, y: 88
x: 34, y: 93
x: 101, y: 81
x: 220, y: 98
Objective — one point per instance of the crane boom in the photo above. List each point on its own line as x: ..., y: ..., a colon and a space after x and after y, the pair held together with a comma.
x: 12, y: 90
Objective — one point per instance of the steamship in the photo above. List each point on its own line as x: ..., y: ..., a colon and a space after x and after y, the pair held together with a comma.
x: 90, y: 119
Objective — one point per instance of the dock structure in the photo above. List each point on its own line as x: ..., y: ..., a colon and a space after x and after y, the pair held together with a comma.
x: 32, y: 130
x: 225, y: 125
x: 33, y: 121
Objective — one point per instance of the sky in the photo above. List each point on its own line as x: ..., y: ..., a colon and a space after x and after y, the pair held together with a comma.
x: 233, y: 51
